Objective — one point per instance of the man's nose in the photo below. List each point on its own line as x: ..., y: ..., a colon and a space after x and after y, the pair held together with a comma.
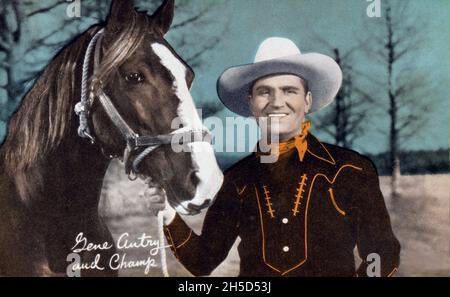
x: 277, y: 100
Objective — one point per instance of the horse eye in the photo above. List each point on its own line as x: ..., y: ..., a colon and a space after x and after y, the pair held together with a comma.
x: 135, y: 77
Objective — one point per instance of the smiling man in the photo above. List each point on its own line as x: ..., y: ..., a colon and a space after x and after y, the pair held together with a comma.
x: 304, y: 214
x: 280, y: 102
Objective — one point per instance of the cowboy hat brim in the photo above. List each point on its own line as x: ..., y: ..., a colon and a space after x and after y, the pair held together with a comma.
x: 323, y: 74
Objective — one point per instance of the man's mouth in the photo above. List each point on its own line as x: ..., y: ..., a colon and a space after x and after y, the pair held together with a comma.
x: 277, y: 115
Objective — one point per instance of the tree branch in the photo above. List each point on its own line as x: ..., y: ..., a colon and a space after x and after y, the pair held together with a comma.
x: 192, y: 59
x: 4, y: 46
x: 368, y: 97
x: 39, y: 42
x: 44, y: 9
x: 16, y: 33
x: 369, y: 78
x: 5, y: 65
x: 325, y: 127
x: 193, y: 18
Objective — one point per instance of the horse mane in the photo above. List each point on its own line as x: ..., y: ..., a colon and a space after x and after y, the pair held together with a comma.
x: 46, y: 116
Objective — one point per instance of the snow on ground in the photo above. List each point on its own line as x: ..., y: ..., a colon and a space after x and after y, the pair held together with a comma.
x: 420, y: 219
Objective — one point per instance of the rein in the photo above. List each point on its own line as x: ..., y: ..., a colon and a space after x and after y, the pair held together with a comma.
x: 133, y: 140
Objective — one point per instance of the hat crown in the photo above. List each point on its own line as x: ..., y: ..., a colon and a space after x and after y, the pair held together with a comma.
x: 275, y: 48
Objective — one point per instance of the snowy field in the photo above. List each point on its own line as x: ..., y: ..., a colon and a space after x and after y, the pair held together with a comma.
x: 420, y: 220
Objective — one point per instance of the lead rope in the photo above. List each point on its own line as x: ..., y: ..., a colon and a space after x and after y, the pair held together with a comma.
x: 161, y: 237
x: 162, y: 254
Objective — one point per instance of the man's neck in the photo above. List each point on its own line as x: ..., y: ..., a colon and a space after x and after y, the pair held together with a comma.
x: 280, y: 138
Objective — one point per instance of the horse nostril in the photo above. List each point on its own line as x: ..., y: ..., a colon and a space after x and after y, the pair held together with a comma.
x: 205, y: 204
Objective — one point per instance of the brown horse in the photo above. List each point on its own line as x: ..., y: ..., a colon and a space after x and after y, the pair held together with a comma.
x: 132, y: 87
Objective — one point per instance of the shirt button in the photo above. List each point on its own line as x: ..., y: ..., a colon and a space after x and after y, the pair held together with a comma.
x: 285, y: 221
x: 286, y: 249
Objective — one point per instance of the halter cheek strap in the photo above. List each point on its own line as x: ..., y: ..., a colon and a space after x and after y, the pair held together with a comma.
x: 133, y: 140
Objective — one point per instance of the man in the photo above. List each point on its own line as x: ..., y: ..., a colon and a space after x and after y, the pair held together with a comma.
x: 304, y: 214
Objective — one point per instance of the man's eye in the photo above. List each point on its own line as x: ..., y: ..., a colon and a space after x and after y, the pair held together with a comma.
x: 264, y: 93
x: 135, y: 78
x: 292, y: 92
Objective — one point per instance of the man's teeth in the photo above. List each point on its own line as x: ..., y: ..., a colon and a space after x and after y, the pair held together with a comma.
x: 277, y: 115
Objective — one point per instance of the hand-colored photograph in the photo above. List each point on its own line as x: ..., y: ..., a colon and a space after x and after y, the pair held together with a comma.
x: 224, y: 138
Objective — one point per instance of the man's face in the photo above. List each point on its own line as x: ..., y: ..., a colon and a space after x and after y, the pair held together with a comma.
x: 281, y: 98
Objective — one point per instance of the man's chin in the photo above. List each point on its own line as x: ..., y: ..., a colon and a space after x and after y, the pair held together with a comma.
x: 277, y: 135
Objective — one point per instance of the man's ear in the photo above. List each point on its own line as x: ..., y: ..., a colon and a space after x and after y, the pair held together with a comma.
x: 250, y: 103
x: 163, y: 16
x: 308, y: 102
x: 121, y: 12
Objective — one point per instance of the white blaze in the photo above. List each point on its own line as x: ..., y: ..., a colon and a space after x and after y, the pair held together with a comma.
x: 209, y: 174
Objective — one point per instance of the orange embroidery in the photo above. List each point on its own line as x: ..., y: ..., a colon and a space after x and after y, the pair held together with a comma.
x: 299, y: 195
x: 186, y: 240
x: 392, y: 272
x: 330, y: 190
x: 262, y: 232
x: 331, y: 181
x: 171, y: 243
x: 332, y: 161
x: 240, y: 191
x: 269, y: 204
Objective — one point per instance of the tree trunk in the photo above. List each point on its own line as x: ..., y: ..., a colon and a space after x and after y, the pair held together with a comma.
x: 393, y: 109
x: 340, y: 133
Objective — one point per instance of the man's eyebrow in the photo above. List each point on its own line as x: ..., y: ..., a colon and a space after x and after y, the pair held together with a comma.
x: 290, y: 88
x: 263, y: 87
x: 287, y: 87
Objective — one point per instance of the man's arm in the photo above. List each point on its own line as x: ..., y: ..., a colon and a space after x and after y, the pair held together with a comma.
x: 202, y: 254
x: 374, y: 231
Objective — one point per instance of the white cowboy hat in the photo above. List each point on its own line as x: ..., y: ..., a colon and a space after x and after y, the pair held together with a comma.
x: 280, y: 55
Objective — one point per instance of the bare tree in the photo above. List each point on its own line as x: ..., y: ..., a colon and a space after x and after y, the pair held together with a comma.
x: 395, y: 47
x: 189, y: 38
x: 16, y: 45
x: 345, y: 121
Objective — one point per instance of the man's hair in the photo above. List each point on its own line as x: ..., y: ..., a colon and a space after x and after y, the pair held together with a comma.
x: 304, y: 82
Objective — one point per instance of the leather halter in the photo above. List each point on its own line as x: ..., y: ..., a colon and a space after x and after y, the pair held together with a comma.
x: 133, y: 140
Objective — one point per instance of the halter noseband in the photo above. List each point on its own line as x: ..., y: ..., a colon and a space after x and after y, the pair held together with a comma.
x: 133, y: 140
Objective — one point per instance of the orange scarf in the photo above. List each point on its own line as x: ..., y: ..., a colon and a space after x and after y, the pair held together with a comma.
x: 299, y: 142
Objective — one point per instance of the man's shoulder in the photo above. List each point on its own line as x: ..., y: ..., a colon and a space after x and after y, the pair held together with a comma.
x: 243, y: 166
x: 344, y: 155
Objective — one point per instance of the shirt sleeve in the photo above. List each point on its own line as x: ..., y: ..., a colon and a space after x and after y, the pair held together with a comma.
x: 375, y: 238
x: 202, y: 254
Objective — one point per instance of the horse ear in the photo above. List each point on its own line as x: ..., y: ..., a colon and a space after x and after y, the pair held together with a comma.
x: 163, y: 16
x: 120, y: 12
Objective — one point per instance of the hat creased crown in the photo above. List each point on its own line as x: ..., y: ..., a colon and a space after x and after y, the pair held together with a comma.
x: 276, y: 48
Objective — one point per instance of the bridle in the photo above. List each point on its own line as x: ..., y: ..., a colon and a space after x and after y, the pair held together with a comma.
x: 133, y: 140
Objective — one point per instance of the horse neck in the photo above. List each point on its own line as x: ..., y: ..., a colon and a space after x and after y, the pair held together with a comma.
x: 68, y: 181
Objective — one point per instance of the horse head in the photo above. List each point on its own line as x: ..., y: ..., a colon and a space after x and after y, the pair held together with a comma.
x: 140, y: 100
